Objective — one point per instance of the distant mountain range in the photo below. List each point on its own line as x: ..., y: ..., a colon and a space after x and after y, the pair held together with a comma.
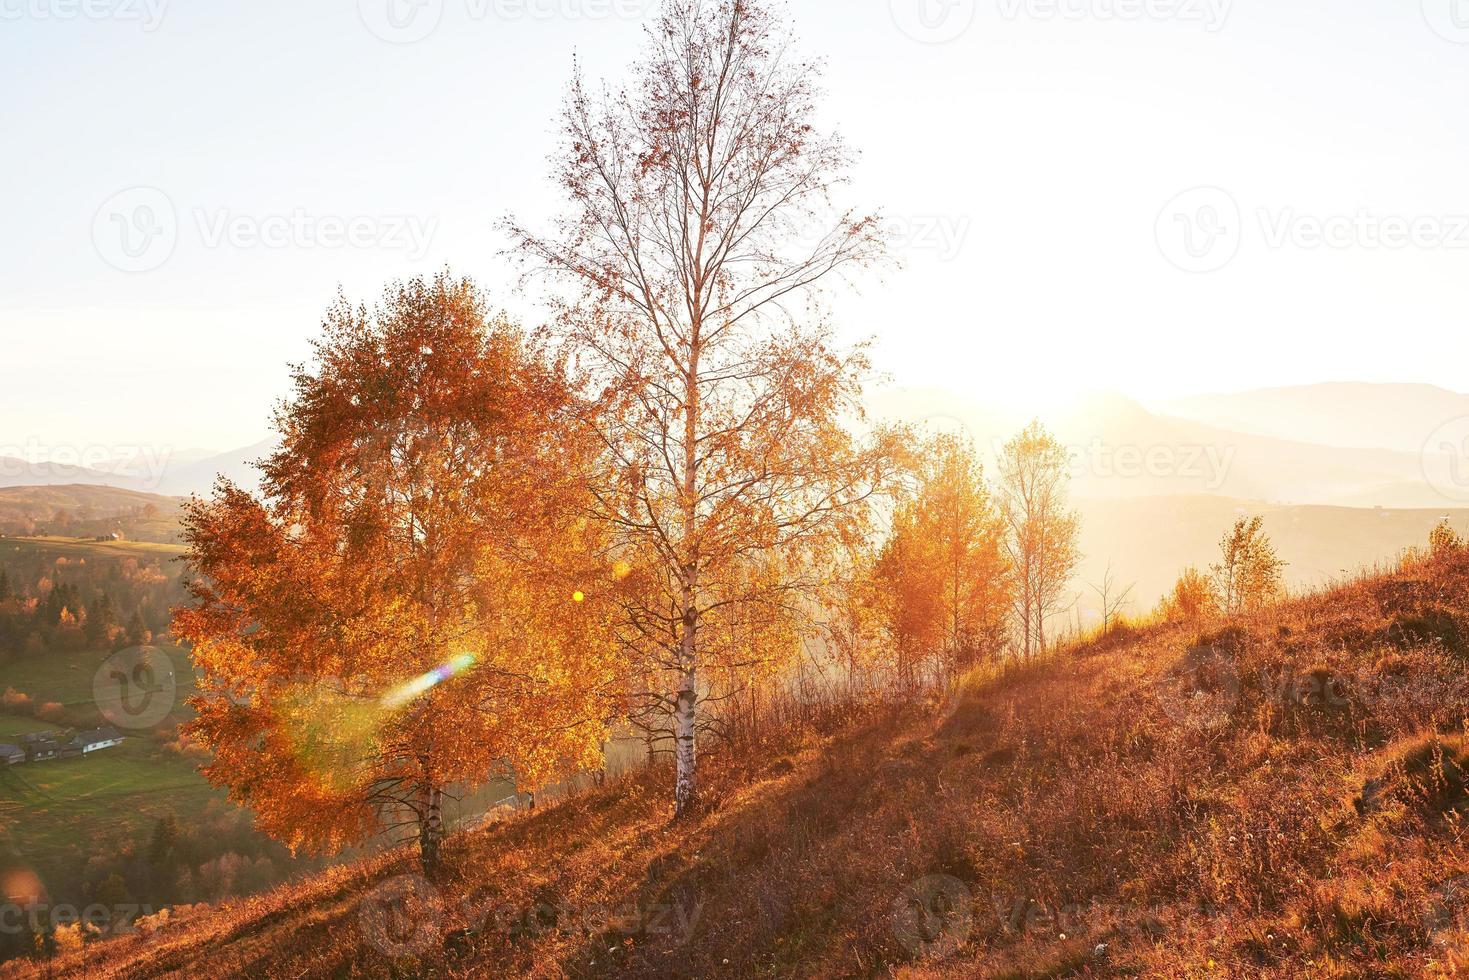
x: 1122, y: 450
x: 1349, y: 444
x: 1339, y: 472
x: 171, y: 474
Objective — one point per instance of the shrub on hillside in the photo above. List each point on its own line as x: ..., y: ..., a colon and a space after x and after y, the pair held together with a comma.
x: 1191, y: 600
x: 1434, y: 626
x: 1443, y: 539
x: 1427, y: 774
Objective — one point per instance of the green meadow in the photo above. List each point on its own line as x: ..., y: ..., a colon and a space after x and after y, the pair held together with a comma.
x: 65, y: 807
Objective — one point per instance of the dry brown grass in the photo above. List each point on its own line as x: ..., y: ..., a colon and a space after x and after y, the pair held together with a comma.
x: 1301, y: 816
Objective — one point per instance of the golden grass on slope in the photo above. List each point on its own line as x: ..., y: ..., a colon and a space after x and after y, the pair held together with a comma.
x: 1277, y: 796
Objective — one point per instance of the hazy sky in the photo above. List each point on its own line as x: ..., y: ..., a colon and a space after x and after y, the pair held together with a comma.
x: 179, y: 178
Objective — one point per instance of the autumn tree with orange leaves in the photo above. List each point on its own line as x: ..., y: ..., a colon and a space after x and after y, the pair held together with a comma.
x: 699, y: 229
x: 395, y: 619
x: 941, y: 584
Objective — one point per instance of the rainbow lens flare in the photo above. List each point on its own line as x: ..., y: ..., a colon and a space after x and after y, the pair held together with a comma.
x: 417, y: 687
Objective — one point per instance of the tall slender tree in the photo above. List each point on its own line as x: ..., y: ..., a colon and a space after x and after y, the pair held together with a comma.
x: 700, y: 227
x: 1043, y: 530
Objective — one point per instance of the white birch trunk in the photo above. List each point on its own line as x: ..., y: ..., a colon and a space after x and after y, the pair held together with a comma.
x: 686, y: 786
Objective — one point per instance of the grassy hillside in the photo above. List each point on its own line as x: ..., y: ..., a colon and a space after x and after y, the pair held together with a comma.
x: 54, y: 814
x: 68, y: 808
x: 1286, y: 800
x: 1149, y: 541
x: 81, y: 511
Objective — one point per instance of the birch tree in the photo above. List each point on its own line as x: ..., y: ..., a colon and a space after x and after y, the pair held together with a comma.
x: 1248, y: 574
x: 700, y: 230
x: 1043, y: 530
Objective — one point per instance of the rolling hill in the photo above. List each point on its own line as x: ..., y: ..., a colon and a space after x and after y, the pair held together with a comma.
x: 166, y: 473
x: 1399, y: 417
x: 23, y: 473
x: 83, y: 510
x: 1280, y: 795
x: 1149, y: 541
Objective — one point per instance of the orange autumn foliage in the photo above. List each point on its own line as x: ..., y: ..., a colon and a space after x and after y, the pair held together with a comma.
x: 393, y: 618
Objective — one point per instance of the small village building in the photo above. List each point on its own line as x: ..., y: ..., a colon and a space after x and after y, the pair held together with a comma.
x: 84, y: 743
x: 41, y: 746
x: 11, y: 755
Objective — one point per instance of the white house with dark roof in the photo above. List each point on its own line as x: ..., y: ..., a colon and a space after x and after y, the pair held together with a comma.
x: 11, y: 755
x: 94, y: 740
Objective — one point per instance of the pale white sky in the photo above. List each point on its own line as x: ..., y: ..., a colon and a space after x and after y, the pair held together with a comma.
x: 1030, y: 152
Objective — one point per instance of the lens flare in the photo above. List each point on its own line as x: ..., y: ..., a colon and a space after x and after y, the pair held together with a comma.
x: 417, y: 687
x: 20, y: 886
